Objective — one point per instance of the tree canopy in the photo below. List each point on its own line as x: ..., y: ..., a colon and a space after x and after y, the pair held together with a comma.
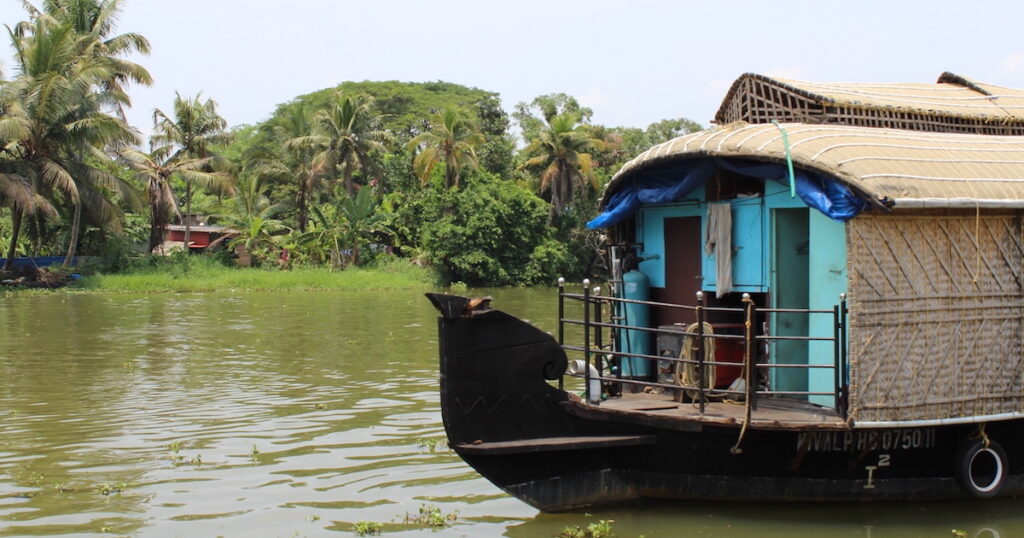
x: 433, y: 171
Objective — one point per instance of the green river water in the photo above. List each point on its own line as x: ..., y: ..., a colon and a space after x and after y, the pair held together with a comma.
x: 299, y: 414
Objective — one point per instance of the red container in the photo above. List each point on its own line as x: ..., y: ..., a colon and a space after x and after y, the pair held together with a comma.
x: 728, y: 351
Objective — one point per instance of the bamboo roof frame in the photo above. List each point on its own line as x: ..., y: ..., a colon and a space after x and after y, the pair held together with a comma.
x: 953, y: 104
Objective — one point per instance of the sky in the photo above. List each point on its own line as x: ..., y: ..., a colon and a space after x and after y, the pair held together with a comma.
x: 633, y: 62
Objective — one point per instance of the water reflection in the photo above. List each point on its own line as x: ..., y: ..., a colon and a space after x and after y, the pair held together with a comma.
x: 981, y: 519
x: 295, y: 413
x: 200, y: 414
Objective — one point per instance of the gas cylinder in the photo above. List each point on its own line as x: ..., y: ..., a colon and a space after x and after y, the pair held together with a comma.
x: 635, y: 286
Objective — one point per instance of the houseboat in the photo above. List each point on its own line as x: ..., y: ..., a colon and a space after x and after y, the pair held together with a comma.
x: 821, y: 298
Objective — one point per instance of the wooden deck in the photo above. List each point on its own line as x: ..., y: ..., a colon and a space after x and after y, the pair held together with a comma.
x: 663, y: 410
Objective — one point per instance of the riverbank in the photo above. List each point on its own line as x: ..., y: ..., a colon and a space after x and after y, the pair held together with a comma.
x: 198, y: 274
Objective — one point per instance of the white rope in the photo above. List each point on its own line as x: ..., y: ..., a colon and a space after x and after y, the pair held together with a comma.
x: 703, y: 145
x: 661, y: 149
x: 761, y: 130
x: 883, y: 133
x: 849, y: 131
x: 927, y: 160
x: 836, y: 131
x: 769, y: 141
x: 1020, y: 148
x: 731, y: 134
x: 933, y: 178
x: 686, y: 146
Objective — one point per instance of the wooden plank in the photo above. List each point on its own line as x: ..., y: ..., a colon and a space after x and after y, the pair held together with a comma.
x: 556, y: 444
x: 771, y: 414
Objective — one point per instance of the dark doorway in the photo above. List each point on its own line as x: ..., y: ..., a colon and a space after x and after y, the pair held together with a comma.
x: 682, y: 269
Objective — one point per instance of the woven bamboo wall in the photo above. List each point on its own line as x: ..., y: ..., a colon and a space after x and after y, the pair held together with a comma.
x: 936, y: 314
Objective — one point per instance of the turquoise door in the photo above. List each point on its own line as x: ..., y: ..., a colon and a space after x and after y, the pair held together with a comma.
x: 828, y: 281
x: 789, y: 289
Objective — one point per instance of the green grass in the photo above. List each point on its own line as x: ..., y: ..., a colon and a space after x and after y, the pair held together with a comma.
x: 198, y: 274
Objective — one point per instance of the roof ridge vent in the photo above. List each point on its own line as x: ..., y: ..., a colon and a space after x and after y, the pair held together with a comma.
x: 960, y: 80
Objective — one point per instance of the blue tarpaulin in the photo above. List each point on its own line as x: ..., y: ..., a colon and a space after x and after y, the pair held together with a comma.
x: 38, y: 261
x: 821, y: 192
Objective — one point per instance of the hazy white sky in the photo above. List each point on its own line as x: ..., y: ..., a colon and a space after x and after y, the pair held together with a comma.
x: 634, y: 62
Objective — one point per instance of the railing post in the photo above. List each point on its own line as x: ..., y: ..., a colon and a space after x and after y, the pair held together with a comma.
x: 700, y: 351
x: 561, y: 323
x: 836, y: 359
x: 586, y: 337
x: 749, y: 340
x: 842, y: 353
x: 597, y: 330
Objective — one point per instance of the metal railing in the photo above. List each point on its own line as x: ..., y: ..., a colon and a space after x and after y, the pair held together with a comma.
x: 597, y: 351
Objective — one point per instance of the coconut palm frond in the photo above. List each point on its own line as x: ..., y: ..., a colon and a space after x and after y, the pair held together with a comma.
x: 16, y: 190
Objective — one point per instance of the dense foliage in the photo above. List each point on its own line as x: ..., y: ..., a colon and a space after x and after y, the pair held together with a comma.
x: 345, y: 176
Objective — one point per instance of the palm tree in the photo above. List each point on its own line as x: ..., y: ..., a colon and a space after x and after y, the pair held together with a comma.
x: 363, y: 220
x: 347, y: 135
x: 348, y: 224
x: 253, y: 217
x: 560, y: 151
x: 16, y: 192
x: 93, y: 21
x: 155, y: 170
x: 193, y: 131
x: 53, y: 125
x: 453, y: 138
x: 295, y: 164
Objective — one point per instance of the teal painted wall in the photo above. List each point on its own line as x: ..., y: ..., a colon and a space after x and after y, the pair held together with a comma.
x: 651, y: 233
x: 748, y: 254
x: 827, y: 279
x: 753, y: 246
x: 777, y: 195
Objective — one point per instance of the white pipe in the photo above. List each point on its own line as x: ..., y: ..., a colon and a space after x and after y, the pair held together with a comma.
x: 577, y: 367
x: 937, y: 421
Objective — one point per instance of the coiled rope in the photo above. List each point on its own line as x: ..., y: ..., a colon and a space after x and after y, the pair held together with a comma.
x: 686, y: 372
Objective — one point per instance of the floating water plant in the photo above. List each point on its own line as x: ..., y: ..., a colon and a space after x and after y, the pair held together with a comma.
x: 31, y: 479
x: 599, y: 529
x: 431, y: 443
x: 368, y: 528
x: 431, y: 516
x: 178, y: 459
x: 110, y: 488
x: 573, y: 531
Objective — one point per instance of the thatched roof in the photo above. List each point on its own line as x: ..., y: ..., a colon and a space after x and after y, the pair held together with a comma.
x: 953, y: 104
x: 895, y: 167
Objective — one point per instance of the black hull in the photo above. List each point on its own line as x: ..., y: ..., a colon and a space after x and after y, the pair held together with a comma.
x: 552, y: 451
